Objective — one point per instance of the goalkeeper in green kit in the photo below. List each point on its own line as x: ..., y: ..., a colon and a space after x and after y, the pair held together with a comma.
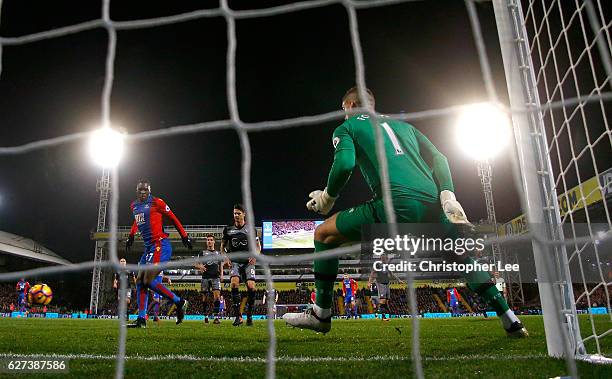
x: 421, y: 194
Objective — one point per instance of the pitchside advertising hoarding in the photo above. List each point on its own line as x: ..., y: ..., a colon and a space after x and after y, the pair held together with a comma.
x: 289, y: 234
x: 287, y: 286
x: 591, y: 191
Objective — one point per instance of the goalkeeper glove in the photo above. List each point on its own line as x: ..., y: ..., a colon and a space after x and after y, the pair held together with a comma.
x: 452, y: 209
x: 321, y: 202
x: 187, y: 242
x: 128, y: 243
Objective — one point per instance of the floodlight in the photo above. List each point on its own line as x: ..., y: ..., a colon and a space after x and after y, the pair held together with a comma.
x: 483, y: 130
x: 106, y: 147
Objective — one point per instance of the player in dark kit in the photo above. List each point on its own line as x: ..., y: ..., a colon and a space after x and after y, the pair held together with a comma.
x: 374, y: 296
x: 212, y: 276
x: 148, y: 213
x: 272, y: 294
x: 130, y: 283
x: 380, y: 280
x: 235, y: 239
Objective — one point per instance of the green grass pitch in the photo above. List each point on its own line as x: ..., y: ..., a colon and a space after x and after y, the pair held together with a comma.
x: 451, y: 348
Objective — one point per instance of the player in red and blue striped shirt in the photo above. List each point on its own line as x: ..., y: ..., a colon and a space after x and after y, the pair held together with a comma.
x: 148, y: 213
x: 22, y: 294
x: 453, y: 297
x: 349, y: 291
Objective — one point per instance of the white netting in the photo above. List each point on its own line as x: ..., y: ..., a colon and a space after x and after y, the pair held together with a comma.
x: 554, y: 102
x: 571, y: 48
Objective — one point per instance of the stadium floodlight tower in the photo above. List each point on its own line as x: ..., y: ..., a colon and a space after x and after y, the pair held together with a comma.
x: 483, y: 131
x: 106, y: 149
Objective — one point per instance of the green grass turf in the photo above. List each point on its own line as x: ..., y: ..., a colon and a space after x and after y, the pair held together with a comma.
x: 451, y: 348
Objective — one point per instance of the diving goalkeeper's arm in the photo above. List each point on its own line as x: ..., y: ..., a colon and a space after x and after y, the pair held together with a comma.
x: 322, y: 201
x: 442, y: 175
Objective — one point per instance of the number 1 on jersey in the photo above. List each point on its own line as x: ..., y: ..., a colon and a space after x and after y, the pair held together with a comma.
x: 393, y: 138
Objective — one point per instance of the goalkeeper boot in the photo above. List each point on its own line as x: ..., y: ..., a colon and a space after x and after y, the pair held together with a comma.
x: 517, y: 330
x: 308, y: 320
x: 140, y: 323
x: 249, y: 321
x: 180, y: 310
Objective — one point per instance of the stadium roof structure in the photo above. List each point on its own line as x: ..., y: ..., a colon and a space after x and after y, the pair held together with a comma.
x: 196, y: 232
x: 26, y: 248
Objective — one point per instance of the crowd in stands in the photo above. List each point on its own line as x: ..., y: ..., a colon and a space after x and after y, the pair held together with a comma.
x: 8, y: 302
x: 425, y: 299
x: 398, y: 302
x: 7, y: 296
x: 597, y: 298
x: 283, y: 227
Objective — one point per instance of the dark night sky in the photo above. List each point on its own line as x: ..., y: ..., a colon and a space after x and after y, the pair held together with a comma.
x: 418, y: 56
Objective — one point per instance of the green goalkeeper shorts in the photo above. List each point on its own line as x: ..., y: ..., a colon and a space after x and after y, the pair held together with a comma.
x: 407, y: 210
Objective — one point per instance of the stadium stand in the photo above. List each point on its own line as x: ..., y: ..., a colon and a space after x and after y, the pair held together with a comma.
x: 12, y: 245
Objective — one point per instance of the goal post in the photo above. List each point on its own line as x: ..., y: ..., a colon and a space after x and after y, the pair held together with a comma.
x: 539, y: 200
x: 533, y: 124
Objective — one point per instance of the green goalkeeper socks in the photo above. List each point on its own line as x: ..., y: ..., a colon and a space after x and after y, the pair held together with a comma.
x: 495, y: 299
x: 325, y: 271
x: 482, y: 283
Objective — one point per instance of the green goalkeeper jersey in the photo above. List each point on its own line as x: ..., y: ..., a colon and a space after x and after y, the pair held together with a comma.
x: 417, y: 170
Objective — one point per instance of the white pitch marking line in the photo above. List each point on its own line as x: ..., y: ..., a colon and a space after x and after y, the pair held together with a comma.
x: 172, y: 357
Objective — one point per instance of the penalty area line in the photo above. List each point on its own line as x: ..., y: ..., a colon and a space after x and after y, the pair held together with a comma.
x: 187, y: 357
